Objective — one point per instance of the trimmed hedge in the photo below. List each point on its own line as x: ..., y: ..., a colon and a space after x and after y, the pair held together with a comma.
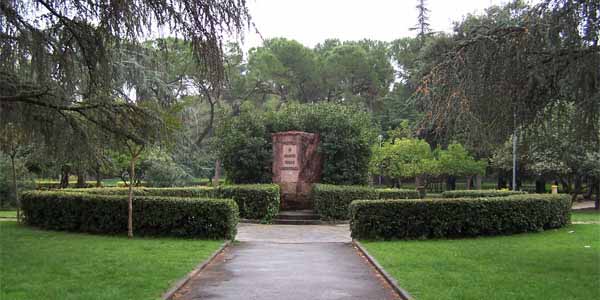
x: 462, y: 217
x: 255, y: 201
x: 479, y: 193
x: 44, y: 186
x: 156, y: 216
x: 331, y: 202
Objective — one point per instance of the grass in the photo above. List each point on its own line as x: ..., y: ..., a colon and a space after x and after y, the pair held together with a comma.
x: 51, y: 265
x: 8, y: 214
x: 550, y: 265
x: 585, y: 216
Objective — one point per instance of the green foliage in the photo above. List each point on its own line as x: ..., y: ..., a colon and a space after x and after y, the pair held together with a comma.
x: 84, y: 212
x: 25, y: 180
x: 404, y: 158
x: 49, y: 185
x: 245, y: 147
x: 332, y: 201
x: 345, y: 131
x: 442, y: 218
x: 456, y: 161
x: 163, y: 171
x: 255, y: 201
x: 479, y: 193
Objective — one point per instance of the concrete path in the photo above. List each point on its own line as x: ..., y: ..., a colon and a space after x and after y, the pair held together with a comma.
x: 289, y: 262
x: 583, y: 205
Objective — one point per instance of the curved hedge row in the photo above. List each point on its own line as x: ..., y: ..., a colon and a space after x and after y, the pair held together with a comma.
x: 255, y: 201
x: 197, y: 218
x: 409, y: 219
x: 479, y: 193
x: 332, y: 201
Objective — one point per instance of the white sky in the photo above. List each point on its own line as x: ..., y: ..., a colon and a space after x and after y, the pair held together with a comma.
x: 313, y: 21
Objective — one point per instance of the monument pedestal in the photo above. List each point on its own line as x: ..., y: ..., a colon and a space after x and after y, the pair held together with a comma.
x: 296, y: 166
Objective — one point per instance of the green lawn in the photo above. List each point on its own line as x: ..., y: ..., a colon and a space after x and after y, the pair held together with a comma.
x: 585, y: 216
x: 8, y: 214
x: 550, y: 265
x: 48, y: 265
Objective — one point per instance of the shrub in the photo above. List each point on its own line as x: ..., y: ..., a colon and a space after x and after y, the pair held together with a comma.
x: 393, y: 219
x: 94, y: 213
x: 48, y: 185
x: 245, y: 144
x: 255, y: 201
x: 397, y: 194
x: 164, y: 172
x: 332, y: 201
x: 479, y: 193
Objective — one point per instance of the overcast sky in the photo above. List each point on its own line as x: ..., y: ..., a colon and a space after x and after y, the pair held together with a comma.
x: 313, y: 21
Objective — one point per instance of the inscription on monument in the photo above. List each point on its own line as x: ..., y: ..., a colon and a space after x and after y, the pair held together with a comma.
x: 290, y: 156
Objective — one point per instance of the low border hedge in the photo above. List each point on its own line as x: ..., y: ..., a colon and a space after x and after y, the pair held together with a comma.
x: 255, y: 201
x: 331, y: 202
x: 156, y: 216
x: 479, y: 193
x: 461, y: 217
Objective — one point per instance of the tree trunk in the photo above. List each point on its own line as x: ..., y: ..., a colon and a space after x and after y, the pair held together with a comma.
x: 80, y: 178
x: 15, y: 188
x: 501, y: 182
x: 217, y: 172
x: 566, y: 185
x: 469, y: 182
x: 590, y: 189
x: 98, y: 176
x: 577, y: 189
x: 130, y: 198
x: 597, y: 203
x: 450, y: 183
x: 64, y: 180
x: 540, y: 185
x: 478, y: 179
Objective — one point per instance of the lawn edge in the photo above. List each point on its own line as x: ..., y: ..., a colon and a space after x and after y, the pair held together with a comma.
x: 393, y: 283
x: 180, y: 283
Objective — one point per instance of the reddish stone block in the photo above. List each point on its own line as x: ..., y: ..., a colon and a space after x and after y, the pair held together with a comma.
x: 296, y: 166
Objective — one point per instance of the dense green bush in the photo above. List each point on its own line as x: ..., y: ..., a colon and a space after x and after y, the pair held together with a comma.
x: 85, y: 212
x: 346, y: 135
x: 461, y: 217
x: 255, y: 201
x: 245, y: 144
x: 163, y: 171
x: 479, y: 193
x: 332, y: 201
x: 397, y: 194
x: 49, y: 185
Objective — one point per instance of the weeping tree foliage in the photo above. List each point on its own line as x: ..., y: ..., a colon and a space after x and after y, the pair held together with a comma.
x: 76, y: 60
x: 501, y: 69
x: 77, y: 64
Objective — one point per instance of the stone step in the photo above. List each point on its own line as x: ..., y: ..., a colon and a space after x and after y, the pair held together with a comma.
x: 297, y: 222
x: 298, y: 215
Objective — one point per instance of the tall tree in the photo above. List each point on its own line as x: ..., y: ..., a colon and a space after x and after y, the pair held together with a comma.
x: 72, y: 59
x: 510, y: 64
x: 422, y: 20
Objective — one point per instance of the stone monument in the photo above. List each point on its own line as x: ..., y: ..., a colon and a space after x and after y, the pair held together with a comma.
x: 296, y: 166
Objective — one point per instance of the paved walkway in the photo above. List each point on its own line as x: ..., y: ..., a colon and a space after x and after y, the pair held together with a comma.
x: 583, y: 205
x: 289, y: 262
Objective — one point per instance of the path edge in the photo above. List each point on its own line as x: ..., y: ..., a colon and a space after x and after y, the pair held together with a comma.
x: 181, y: 282
x: 403, y: 293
